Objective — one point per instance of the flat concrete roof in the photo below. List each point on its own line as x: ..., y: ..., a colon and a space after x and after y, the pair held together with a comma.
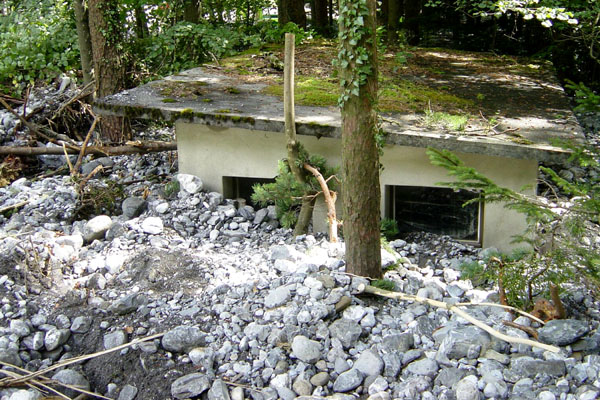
x: 521, y: 111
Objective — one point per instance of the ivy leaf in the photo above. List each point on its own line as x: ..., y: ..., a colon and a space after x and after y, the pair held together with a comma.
x: 359, y: 21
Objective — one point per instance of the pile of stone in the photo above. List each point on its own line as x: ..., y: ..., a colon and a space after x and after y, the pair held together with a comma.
x: 250, y: 312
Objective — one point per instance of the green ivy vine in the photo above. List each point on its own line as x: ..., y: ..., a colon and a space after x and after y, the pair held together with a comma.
x: 352, y: 56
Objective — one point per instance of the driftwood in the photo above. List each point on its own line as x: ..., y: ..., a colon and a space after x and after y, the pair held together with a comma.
x: 456, y: 310
x: 137, y: 148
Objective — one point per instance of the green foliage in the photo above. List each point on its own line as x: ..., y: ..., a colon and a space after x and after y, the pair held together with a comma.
x: 170, y: 189
x: 38, y: 41
x: 353, y: 56
x: 99, y: 197
x: 444, y: 120
x: 389, y: 228
x: 384, y: 284
x: 556, y: 231
x: 271, y: 32
x: 186, y: 45
x: 586, y: 98
x: 286, y: 192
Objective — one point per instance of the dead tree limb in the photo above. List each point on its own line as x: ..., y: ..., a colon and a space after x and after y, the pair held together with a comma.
x: 85, y: 143
x: 454, y: 309
x: 141, y: 148
x: 32, y: 128
x: 527, y: 329
x: 330, y: 198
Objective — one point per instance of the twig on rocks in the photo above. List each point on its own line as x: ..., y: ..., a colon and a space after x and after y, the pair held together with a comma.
x: 524, y: 313
x: 75, y: 360
x: 527, y: 329
x: 85, y: 143
x: 454, y: 309
x: 14, y: 206
x: 82, y: 94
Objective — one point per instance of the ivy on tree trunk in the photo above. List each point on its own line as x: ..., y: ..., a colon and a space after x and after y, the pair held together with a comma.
x: 357, y: 62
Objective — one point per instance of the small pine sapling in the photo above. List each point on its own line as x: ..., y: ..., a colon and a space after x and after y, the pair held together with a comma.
x: 557, y: 231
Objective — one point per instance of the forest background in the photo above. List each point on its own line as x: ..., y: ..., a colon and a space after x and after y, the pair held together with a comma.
x: 38, y: 39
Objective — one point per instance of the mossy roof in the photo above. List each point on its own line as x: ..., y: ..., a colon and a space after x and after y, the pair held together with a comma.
x: 508, y: 106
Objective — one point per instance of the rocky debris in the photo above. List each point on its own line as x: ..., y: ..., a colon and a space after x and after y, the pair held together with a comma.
x: 251, y: 312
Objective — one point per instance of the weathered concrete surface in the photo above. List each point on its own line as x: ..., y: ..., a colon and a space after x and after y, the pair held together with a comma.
x: 227, y: 126
x: 211, y: 98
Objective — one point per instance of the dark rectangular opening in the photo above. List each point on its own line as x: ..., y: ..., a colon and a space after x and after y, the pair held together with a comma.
x: 435, y: 210
x: 235, y: 187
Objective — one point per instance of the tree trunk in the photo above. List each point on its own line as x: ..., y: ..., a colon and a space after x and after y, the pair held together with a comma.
x: 360, y: 157
x: 393, y: 22
x: 291, y: 11
x: 382, y: 18
x: 320, y: 16
x: 84, y: 40
x: 141, y: 22
x: 191, y: 11
x: 412, y: 12
x: 105, y: 32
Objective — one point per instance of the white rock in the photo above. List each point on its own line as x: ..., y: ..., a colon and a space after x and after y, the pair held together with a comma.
x: 190, y: 183
x: 152, y: 226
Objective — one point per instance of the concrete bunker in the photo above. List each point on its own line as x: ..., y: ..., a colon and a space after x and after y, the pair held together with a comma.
x: 237, y: 137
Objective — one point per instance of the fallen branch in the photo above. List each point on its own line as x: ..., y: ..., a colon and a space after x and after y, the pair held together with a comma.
x: 142, y: 148
x: 527, y: 329
x: 454, y: 309
x: 73, y: 360
x: 85, y: 144
x: 82, y: 94
x: 32, y: 128
x: 14, y: 206
x: 330, y: 197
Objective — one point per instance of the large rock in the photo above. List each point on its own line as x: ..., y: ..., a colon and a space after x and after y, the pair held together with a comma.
x: 466, y: 389
x: 152, y: 226
x: 397, y: 343
x: 346, y: 331
x: 218, y: 391
x: 183, y: 338
x: 423, y: 367
x: 189, y: 183
x: 369, y: 363
x: 114, y: 339
x: 73, y: 378
x: 96, y: 228
x: 190, y: 385
x: 55, y: 338
x: 127, y: 393
x: 128, y: 304
x: 348, y: 380
x: 133, y: 206
x: 306, y: 350
x: 464, y: 342
x: 563, y: 332
x: 277, y: 297
x: 529, y: 367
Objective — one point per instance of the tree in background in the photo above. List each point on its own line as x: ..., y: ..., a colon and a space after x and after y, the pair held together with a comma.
x: 106, y: 32
x: 84, y: 39
x: 291, y: 11
x: 357, y: 63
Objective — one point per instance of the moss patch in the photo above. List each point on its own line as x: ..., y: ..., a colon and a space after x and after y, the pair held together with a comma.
x: 190, y: 90
x: 310, y: 91
x: 444, y: 120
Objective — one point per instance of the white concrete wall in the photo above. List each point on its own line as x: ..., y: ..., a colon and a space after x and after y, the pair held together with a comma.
x: 212, y: 153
